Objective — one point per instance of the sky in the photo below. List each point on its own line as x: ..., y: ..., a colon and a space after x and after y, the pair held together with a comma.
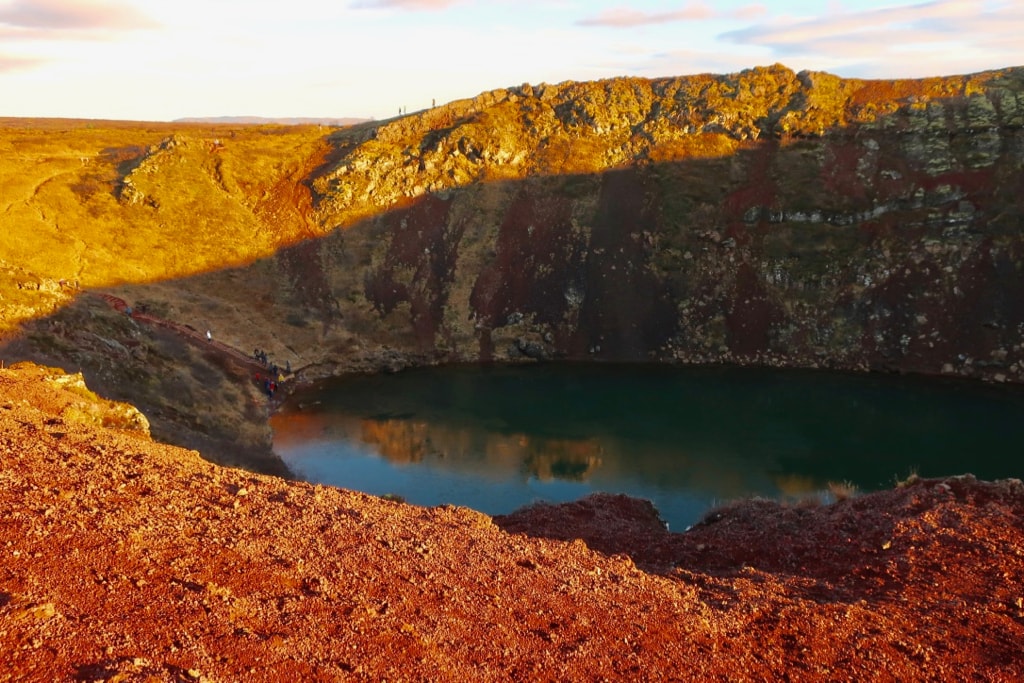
x: 160, y: 60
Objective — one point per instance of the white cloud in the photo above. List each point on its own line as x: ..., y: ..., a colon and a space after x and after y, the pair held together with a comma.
x: 904, y: 40
x: 747, y: 12
x: 689, y: 62
x: 71, y: 15
x: 627, y: 17
x: 10, y: 64
x: 415, y: 5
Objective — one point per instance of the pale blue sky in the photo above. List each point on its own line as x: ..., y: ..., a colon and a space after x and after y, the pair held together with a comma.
x: 165, y: 59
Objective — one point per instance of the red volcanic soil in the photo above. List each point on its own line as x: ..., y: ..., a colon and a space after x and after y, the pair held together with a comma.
x: 127, y: 560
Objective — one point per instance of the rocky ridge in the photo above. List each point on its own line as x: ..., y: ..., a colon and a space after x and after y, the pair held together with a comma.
x: 585, y: 128
x: 764, y: 217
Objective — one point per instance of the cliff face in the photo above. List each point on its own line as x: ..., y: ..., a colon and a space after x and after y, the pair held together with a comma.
x: 764, y: 217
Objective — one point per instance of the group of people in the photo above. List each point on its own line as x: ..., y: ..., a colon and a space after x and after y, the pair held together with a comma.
x: 274, y: 375
x: 269, y: 385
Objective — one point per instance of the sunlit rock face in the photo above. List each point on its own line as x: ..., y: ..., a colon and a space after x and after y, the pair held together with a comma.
x: 762, y: 217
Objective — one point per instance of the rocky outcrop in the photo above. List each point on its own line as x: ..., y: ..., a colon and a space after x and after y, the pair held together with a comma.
x: 73, y: 403
x: 763, y: 217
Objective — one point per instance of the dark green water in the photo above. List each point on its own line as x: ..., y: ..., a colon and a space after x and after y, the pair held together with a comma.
x: 497, y: 438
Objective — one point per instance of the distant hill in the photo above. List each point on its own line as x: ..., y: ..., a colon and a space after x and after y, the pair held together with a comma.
x: 288, y: 121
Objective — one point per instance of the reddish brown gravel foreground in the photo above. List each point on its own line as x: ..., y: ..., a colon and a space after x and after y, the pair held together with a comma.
x: 126, y: 560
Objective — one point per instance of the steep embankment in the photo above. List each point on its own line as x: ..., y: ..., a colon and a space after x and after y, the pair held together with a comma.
x: 760, y: 217
x: 125, y: 559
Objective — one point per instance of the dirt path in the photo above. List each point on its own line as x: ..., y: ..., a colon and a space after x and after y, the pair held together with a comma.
x: 189, y: 333
x: 291, y: 198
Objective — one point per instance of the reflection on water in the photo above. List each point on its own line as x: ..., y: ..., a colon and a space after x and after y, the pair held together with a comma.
x: 496, y: 438
x: 407, y: 440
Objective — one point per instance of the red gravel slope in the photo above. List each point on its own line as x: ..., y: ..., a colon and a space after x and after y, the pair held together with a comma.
x: 122, y: 559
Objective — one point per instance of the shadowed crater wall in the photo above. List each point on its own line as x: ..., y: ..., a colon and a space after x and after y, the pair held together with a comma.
x: 765, y: 217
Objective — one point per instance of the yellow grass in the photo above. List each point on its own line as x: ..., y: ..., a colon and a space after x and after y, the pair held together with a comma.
x: 209, y: 201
